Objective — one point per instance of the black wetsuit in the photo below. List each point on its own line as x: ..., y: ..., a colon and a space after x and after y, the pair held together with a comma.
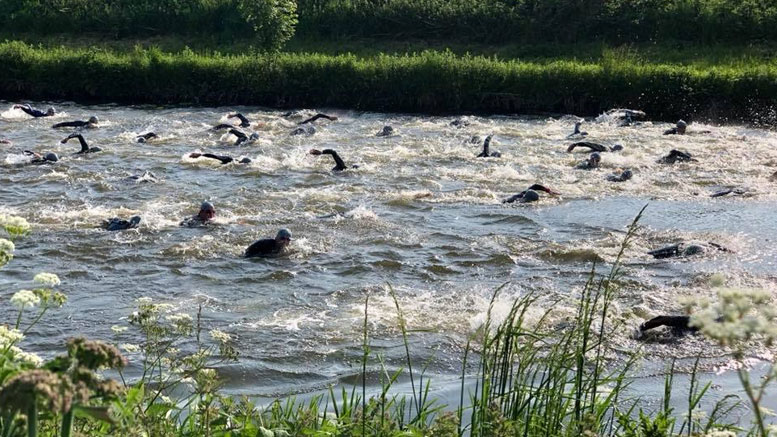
x: 318, y: 116
x: 35, y: 112
x: 145, y: 137
x: 225, y: 159
x: 243, y: 120
x: 265, y: 247
x: 84, y: 146
x: 486, y: 153
x: 339, y: 161
x: 676, y: 156
x: 459, y: 122
x: 594, y: 147
x: 679, y: 323
x: 37, y: 158
x: 222, y: 126
x: 304, y: 130
x: 682, y: 249
x: 117, y: 224
x: 622, y: 177
x: 528, y: 195
x: 736, y: 191
x: 241, y: 137
x: 77, y: 123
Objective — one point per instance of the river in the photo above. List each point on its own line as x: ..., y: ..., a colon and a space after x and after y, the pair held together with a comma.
x: 421, y: 214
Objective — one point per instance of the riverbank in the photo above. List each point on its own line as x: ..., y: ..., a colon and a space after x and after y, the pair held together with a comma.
x: 430, y: 81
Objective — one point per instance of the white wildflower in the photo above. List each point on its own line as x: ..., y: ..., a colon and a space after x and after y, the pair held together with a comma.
x: 49, y: 279
x: 187, y: 380
x: 26, y: 357
x: 24, y: 299
x: 166, y: 307
x: 6, y: 251
x: 143, y: 300
x: 130, y: 348
x: 9, y: 336
x: 179, y: 318
x: 721, y: 433
x: 166, y: 400
x: 15, y: 226
x: 6, y: 246
x: 118, y: 329
x: 220, y: 336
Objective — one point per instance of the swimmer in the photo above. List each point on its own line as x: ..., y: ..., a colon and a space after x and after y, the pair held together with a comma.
x: 459, y: 123
x: 387, y: 131
x: 242, y: 138
x: 117, y: 224
x: 84, y: 147
x: 738, y: 191
x: 306, y: 130
x: 29, y: 110
x: 676, y: 156
x: 679, y: 129
x: 620, y: 177
x: 225, y: 159
x: 530, y: 194
x: 679, y: 324
x: 577, y: 132
x: 486, y: 153
x: 340, y: 164
x: 243, y: 120
x: 594, y: 147
x: 90, y: 124
x: 203, y: 218
x: 144, y: 138
x: 147, y: 176
x: 683, y: 250
x: 46, y: 158
x: 591, y: 163
x: 475, y: 139
x: 7, y: 142
x: 269, y: 246
x: 319, y: 116
x: 626, y: 116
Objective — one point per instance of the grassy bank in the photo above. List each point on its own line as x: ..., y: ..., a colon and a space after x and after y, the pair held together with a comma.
x: 428, y: 82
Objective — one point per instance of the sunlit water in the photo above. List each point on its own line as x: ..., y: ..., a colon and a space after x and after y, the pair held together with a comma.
x: 421, y: 214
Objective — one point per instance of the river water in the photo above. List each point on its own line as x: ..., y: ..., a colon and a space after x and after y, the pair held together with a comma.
x: 420, y: 214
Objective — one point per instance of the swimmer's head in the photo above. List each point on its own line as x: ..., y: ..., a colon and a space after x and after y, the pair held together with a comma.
x: 595, y: 158
x: 617, y: 148
x: 93, y: 119
x: 51, y: 156
x: 681, y: 125
x: 207, y: 211
x: 529, y: 196
x: 283, y: 237
x: 50, y: 111
x: 134, y: 220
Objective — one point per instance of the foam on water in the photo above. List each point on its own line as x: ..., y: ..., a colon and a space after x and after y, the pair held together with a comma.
x: 421, y: 213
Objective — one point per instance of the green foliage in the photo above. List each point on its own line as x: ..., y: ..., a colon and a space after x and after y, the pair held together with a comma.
x: 268, y: 23
x: 272, y: 21
x: 422, y: 82
x: 542, y: 20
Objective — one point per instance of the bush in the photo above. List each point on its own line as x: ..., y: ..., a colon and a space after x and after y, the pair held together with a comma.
x: 270, y: 22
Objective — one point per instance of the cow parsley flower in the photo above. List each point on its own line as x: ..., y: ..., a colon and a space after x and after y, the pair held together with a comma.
x: 220, y: 336
x: 48, y: 279
x: 24, y: 299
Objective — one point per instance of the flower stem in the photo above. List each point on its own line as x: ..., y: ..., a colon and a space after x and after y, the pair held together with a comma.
x: 67, y: 424
x: 32, y: 420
